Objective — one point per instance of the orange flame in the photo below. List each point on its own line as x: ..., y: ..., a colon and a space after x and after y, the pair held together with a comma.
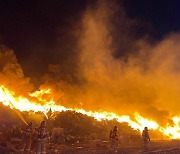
x: 20, y: 103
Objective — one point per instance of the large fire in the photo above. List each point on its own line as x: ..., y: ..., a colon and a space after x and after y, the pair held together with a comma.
x: 20, y: 103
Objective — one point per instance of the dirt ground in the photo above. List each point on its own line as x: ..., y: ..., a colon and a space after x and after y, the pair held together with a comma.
x: 155, y: 147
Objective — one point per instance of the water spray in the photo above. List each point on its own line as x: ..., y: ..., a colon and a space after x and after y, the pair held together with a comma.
x: 18, y: 113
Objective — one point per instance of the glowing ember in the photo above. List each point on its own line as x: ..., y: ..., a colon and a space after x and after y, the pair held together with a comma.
x: 20, y: 103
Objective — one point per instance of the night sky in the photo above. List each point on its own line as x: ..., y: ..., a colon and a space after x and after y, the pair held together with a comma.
x: 38, y: 27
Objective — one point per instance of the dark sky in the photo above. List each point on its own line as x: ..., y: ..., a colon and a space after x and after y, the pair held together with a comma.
x: 163, y: 14
x: 30, y: 27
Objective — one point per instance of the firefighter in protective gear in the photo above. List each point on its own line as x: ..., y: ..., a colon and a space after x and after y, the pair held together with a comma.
x: 113, y: 138
x: 146, y: 138
x: 34, y: 141
x: 42, y: 138
x: 26, y: 139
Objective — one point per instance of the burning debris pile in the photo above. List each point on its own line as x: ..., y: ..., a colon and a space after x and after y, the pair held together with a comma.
x: 66, y: 128
x: 69, y: 130
x: 23, y: 104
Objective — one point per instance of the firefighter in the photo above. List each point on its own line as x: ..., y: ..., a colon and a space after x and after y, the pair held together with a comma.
x: 34, y: 141
x: 113, y: 138
x: 145, y: 137
x: 26, y: 138
x: 42, y: 138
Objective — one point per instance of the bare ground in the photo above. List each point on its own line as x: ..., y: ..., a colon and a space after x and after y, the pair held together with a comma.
x: 155, y: 147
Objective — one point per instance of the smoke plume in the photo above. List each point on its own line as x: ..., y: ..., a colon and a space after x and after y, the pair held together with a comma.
x: 145, y: 80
